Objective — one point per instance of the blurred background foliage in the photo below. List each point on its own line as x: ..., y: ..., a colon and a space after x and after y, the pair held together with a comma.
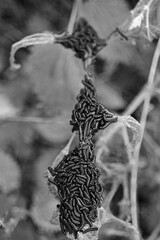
x: 46, y: 87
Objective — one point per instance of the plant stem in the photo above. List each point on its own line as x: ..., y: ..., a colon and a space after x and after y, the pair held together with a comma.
x: 72, y: 17
x: 136, y: 102
x: 31, y: 120
x: 155, y: 233
x: 136, y: 153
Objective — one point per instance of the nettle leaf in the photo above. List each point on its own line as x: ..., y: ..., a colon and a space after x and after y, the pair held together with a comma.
x: 143, y: 21
x: 9, y: 173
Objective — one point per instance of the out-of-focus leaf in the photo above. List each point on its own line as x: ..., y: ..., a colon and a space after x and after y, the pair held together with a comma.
x: 59, y: 131
x: 119, y: 52
x: 9, y: 173
x: 43, y: 211
x: 4, y: 205
x: 56, y: 77
x: 6, y: 107
x: 45, y: 202
x: 104, y: 15
x: 19, y: 136
x: 109, y: 96
x: 17, y: 95
x: 37, y: 23
x: 24, y: 230
x: 114, y: 150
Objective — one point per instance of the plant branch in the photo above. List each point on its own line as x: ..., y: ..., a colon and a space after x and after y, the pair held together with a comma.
x: 31, y: 120
x: 72, y: 17
x: 155, y: 233
x: 145, y: 111
x: 131, y: 108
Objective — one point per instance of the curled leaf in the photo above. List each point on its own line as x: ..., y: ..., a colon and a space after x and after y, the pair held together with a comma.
x: 133, y: 128
x: 143, y: 21
x: 34, y: 39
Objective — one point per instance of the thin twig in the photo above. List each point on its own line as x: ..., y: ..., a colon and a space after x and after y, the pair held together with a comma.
x: 125, y: 202
x: 155, y: 233
x: 152, y: 144
x: 72, y: 17
x: 127, y: 143
x: 136, y: 153
x: 31, y: 120
x: 131, y: 108
x: 111, y: 194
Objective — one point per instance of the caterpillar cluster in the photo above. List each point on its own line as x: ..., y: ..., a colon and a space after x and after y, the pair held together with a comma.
x: 84, y: 40
x: 89, y: 115
x: 79, y: 191
x: 76, y: 176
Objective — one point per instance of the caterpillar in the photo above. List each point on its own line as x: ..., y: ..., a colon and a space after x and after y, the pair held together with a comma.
x: 84, y: 40
x: 76, y: 176
x: 88, y: 113
x: 86, y: 206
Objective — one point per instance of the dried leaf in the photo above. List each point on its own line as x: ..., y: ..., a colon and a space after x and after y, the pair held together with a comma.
x: 34, y: 39
x: 143, y: 21
x: 134, y: 129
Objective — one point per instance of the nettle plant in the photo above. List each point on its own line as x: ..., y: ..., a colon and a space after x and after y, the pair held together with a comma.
x: 74, y: 174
